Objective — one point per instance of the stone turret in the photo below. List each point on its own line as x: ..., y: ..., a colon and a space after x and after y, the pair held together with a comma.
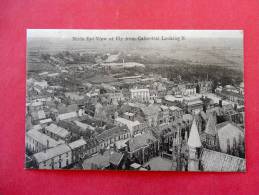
x: 211, y: 124
x: 210, y: 138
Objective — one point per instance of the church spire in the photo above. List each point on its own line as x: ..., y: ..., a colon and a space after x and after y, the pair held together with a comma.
x: 194, y: 140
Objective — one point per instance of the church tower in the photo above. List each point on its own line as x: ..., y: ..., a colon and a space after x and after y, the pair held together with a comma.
x: 209, y: 137
x: 194, y: 144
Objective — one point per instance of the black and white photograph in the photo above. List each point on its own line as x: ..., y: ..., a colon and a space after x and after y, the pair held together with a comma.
x: 141, y: 100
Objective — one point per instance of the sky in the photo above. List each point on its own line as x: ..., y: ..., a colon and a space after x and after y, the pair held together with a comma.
x: 68, y: 33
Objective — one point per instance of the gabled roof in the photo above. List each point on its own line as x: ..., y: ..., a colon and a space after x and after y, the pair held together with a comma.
x: 77, y: 143
x: 163, y: 107
x: 68, y: 115
x: 112, y: 133
x: 135, y: 165
x: 83, y: 126
x: 57, y: 130
x: 141, y: 141
x: 42, y: 138
x: 194, y: 140
x: 48, y: 120
x: 70, y: 126
x: 175, y: 108
x: 115, y: 158
x: 51, y: 153
x: 100, y: 161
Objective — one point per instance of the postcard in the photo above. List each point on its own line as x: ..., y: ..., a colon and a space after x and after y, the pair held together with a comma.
x: 143, y: 100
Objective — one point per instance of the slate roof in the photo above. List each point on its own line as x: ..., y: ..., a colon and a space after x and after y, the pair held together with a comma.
x: 100, y: 161
x: 141, y: 141
x: 68, y: 115
x: 76, y: 144
x: 174, y: 108
x: 231, y: 93
x: 218, y: 161
x: 91, y: 121
x: 84, y: 126
x: 70, y: 126
x: 43, y: 138
x: 160, y: 164
x: 51, y: 153
x: 115, y: 158
x: 38, y: 115
x: 111, y: 133
x: 130, y: 124
x: 48, y: 120
x: 229, y: 131
x: 135, y: 165
x: 194, y: 102
x: 57, y: 130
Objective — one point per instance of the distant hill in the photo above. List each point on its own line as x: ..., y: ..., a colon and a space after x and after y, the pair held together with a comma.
x: 207, y: 51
